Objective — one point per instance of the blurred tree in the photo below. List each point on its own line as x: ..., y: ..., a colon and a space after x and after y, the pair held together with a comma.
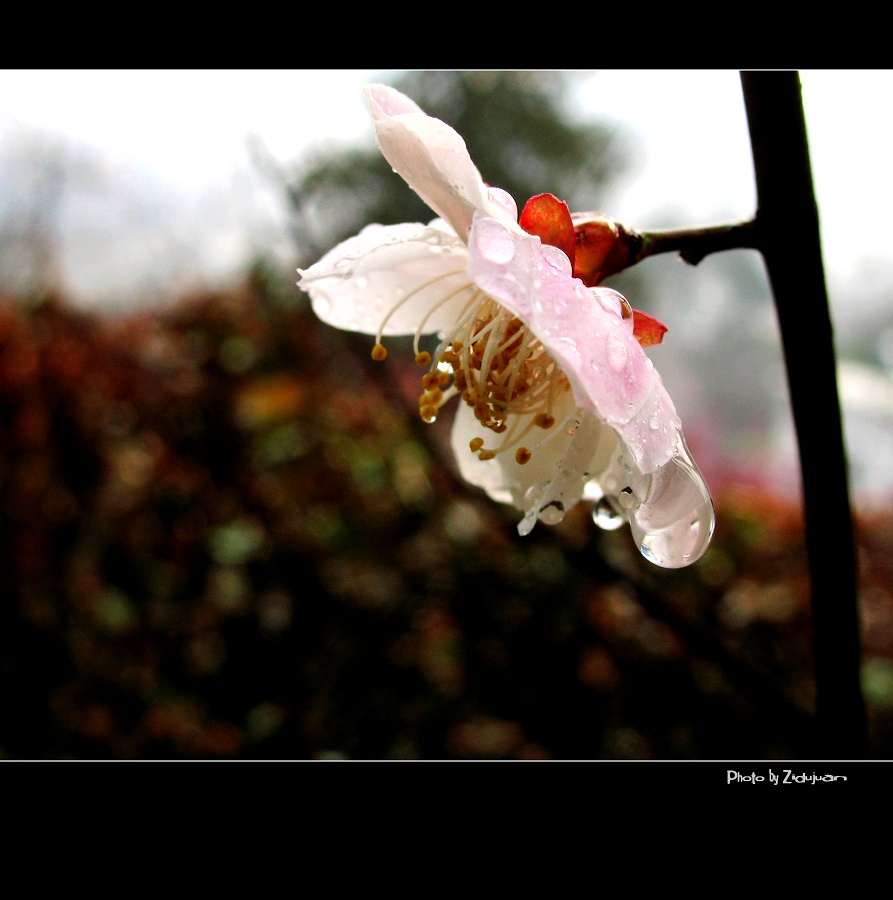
x: 36, y: 170
x: 540, y: 146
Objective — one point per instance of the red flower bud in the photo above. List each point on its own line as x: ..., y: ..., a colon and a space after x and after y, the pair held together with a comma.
x: 604, y: 247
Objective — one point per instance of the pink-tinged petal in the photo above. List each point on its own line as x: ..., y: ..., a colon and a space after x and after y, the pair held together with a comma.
x: 416, y: 272
x: 431, y: 157
x: 585, y: 332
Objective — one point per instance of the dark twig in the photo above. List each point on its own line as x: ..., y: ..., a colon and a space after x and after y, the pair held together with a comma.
x: 787, y: 227
x: 693, y: 244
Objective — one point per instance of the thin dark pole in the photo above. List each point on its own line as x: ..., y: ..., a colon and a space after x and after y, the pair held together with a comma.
x: 787, y: 235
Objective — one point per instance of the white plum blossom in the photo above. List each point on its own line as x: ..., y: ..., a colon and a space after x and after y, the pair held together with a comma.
x: 560, y: 401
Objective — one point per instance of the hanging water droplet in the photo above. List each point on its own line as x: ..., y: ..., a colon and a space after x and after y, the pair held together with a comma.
x: 674, y: 524
x: 553, y: 513
x: 606, y: 516
x: 626, y: 498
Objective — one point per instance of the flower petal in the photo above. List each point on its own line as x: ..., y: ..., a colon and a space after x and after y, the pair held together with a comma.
x: 431, y: 157
x: 357, y: 283
x: 576, y: 452
x: 584, y: 331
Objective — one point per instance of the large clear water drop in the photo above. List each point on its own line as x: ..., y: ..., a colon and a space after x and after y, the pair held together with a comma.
x: 674, y: 520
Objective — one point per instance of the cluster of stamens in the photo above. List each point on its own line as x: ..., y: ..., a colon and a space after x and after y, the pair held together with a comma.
x: 499, y: 368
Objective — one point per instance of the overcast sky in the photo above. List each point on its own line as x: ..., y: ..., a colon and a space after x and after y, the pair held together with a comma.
x: 188, y: 129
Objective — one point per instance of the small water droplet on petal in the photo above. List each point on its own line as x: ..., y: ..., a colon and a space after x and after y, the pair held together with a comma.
x: 504, y: 200
x: 493, y: 241
x: 617, y: 354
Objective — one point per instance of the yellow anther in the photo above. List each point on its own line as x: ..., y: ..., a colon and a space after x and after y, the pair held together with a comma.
x: 475, y: 444
x: 423, y: 359
x: 428, y: 413
x: 379, y: 352
x: 522, y: 456
x: 486, y: 454
x: 544, y: 420
x: 435, y: 395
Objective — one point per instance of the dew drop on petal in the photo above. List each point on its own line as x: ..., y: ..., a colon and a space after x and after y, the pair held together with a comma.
x: 361, y: 282
x: 617, y: 354
x: 504, y: 200
x: 556, y: 259
x: 493, y: 241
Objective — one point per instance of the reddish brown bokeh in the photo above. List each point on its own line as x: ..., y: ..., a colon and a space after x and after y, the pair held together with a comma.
x: 226, y: 534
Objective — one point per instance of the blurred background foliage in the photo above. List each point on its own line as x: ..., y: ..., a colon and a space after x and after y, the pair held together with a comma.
x: 227, y: 535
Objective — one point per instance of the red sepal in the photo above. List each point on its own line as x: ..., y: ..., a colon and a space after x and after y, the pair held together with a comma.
x: 549, y: 218
x: 646, y: 329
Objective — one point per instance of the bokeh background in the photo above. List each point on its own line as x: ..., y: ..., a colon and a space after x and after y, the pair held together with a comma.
x: 227, y: 535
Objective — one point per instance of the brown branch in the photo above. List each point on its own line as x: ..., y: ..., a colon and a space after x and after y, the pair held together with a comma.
x: 693, y: 244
